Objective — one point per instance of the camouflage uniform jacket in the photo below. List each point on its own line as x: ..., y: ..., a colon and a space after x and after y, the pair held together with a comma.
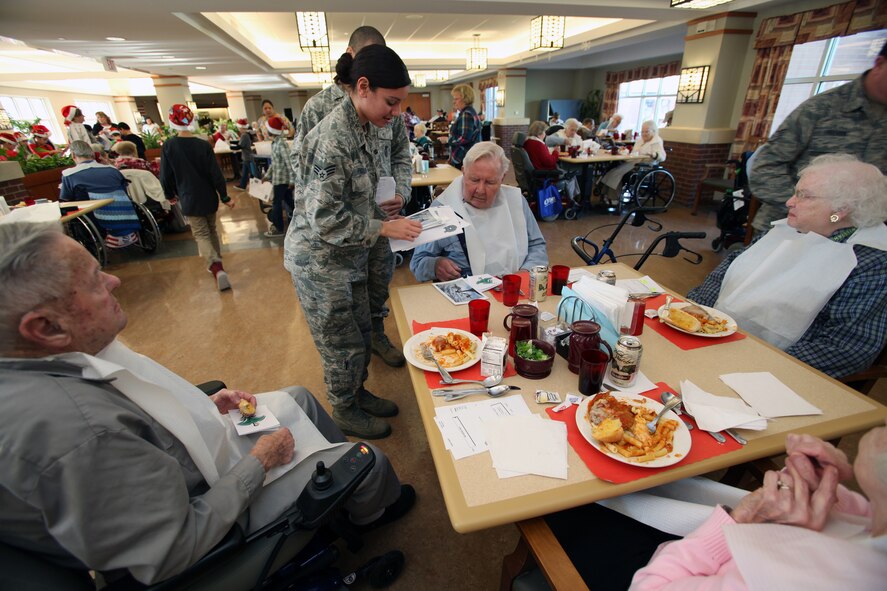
x: 335, y: 220
x: 394, y: 142
x: 841, y: 120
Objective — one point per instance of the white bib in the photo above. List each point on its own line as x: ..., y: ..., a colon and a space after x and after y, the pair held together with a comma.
x: 775, y: 289
x: 497, y: 237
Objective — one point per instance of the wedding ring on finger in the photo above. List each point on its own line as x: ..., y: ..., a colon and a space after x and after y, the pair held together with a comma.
x: 782, y: 486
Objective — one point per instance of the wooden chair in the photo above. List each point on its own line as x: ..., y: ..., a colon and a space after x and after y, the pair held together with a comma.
x: 538, y: 546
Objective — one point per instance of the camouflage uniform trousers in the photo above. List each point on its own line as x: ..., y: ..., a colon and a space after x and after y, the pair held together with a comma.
x: 380, y: 270
x: 337, y: 311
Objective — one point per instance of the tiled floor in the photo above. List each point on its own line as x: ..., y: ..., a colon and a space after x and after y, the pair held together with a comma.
x: 254, y: 337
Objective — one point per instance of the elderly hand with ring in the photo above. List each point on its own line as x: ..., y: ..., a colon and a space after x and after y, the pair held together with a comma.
x: 787, y: 498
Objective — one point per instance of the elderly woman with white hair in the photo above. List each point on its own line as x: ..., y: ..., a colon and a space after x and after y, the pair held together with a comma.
x: 816, y: 284
x: 650, y: 145
x: 568, y: 136
x: 503, y: 236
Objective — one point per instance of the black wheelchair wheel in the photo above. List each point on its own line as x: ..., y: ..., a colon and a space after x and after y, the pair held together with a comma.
x: 386, y: 570
x: 571, y: 213
x: 85, y: 232
x: 149, y: 234
x: 655, y: 189
x: 717, y: 245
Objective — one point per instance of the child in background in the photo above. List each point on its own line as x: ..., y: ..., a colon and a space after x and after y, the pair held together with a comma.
x: 281, y: 175
x: 248, y: 168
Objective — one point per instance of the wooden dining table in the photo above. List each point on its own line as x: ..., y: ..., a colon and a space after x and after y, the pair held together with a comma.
x: 476, y: 498
x: 442, y: 174
x: 592, y: 168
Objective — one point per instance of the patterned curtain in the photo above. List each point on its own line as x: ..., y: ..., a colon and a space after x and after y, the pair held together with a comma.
x: 614, y: 79
x: 487, y: 83
x: 774, y: 44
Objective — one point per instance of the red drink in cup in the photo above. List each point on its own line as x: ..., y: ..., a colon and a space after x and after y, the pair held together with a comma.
x: 592, y: 369
x: 559, y: 276
x: 510, y: 289
x: 478, y: 316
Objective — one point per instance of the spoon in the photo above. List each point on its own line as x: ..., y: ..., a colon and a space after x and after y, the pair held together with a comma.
x: 455, y: 394
x: 651, y: 426
x: 487, y: 382
x: 717, y: 436
x: 666, y: 396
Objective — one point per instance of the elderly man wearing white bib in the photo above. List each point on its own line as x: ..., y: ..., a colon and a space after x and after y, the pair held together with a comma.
x: 114, y: 462
x: 503, y: 236
x: 816, y: 284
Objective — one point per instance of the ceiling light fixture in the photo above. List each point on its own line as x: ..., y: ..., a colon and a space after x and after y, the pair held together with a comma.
x: 320, y: 61
x: 419, y: 81
x: 547, y: 33
x: 115, y: 38
x: 312, y: 30
x: 700, y: 4
x: 5, y: 121
x: 476, y: 57
x: 442, y: 75
x: 199, y: 67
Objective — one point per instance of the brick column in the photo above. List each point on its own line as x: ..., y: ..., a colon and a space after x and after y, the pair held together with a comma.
x: 13, y: 190
x: 687, y: 163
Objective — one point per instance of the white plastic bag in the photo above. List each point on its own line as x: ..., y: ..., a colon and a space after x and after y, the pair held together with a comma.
x: 263, y: 191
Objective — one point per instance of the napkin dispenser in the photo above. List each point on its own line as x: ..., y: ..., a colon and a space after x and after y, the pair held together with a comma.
x: 573, y: 308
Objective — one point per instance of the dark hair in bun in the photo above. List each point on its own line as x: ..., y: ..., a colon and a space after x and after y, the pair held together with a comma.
x: 377, y: 63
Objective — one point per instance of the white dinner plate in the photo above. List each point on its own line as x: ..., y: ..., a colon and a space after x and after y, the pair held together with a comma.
x: 731, y: 324
x: 680, y: 447
x: 412, y: 349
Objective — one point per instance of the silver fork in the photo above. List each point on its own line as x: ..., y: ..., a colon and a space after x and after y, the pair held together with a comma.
x: 651, y: 426
x: 429, y: 356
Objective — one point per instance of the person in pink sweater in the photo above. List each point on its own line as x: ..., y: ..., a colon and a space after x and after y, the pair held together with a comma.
x: 800, y: 530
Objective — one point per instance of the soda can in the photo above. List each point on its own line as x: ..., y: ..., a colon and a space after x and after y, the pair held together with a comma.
x: 539, y: 283
x: 626, y: 361
x: 607, y: 277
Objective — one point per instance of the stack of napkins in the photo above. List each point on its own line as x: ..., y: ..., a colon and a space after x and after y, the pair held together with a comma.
x: 608, y: 299
x: 527, y: 445
x: 716, y: 413
x: 767, y: 395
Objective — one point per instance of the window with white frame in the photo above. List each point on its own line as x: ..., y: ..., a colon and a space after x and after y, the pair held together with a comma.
x: 90, y: 108
x: 491, y: 111
x: 642, y: 100
x: 33, y: 107
x: 822, y: 65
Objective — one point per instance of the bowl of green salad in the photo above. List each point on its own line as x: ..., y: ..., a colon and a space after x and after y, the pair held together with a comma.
x: 533, y: 359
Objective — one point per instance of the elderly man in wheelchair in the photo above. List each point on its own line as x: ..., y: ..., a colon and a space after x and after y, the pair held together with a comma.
x: 644, y: 185
x: 115, y: 464
x: 117, y: 225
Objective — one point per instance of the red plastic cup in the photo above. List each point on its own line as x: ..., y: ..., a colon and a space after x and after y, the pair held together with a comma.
x: 559, y: 276
x: 510, y: 289
x: 478, y: 316
x: 632, y: 319
x: 592, y: 369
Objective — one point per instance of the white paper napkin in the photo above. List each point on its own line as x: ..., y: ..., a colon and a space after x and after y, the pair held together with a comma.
x: 609, y: 299
x: 716, y: 413
x: 528, y: 445
x: 263, y: 420
x: 769, y: 396
x: 641, y: 384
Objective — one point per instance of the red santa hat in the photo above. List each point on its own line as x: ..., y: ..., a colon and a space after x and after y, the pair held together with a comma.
x: 40, y: 131
x: 275, y: 125
x: 19, y: 136
x: 69, y: 112
x: 242, y: 123
x: 180, y: 117
x: 8, y: 137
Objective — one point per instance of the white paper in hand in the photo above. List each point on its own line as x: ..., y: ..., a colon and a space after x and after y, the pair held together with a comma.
x: 263, y: 420
x: 769, y: 396
x: 385, y: 189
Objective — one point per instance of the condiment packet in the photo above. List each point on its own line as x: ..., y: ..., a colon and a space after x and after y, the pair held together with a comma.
x: 546, y: 397
x: 571, y: 400
x: 651, y: 313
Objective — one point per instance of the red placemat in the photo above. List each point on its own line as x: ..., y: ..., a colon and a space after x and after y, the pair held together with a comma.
x: 606, y: 468
x: 471, y: 373
x: 681, y: 339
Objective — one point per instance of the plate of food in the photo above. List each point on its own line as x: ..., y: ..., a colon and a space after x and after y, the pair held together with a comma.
x: 454, y: 349
x: 700, y: 321
x: 616, y: 425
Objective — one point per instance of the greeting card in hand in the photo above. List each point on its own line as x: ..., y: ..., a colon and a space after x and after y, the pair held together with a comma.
x: 263, y: 420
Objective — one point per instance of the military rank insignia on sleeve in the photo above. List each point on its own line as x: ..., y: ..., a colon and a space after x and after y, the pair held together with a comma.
x: 324, y: 172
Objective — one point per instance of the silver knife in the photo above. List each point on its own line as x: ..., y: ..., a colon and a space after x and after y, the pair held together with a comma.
x: 736, y: 436
x: 717, y: 436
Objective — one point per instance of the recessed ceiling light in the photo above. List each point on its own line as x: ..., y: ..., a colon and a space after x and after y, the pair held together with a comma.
x: 199, y: 67
x: 167, y: 57
x: 414, y: 16
x: 62, y: 39
x: 115, y: 38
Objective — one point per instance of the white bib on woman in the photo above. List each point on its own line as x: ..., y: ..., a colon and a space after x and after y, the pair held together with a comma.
x: 775, y: 289
x: 497, y: 237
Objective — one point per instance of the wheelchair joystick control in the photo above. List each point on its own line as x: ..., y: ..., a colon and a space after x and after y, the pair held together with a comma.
x: 322, y: 478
